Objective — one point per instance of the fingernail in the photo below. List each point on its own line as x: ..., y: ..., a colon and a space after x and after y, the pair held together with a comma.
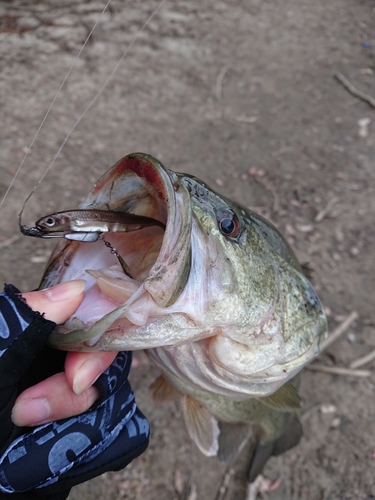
x: 31, y: 412
x: 86, y: 375
x: 65, y: 291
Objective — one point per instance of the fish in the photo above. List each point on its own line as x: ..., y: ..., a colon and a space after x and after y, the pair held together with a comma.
x: 215, y: 296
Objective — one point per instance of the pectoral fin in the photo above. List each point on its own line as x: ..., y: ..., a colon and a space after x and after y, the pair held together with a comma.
x: 284, y: 399
x: 161, y: 390
x: 201, y: 425
x: 232, y: 439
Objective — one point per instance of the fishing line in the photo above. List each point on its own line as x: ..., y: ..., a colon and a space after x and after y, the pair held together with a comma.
x: 92, y: 102
x: 99, y: 93
x: 50, y: 108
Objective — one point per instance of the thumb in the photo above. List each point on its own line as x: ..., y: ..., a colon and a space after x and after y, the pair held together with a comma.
x: 59, y: 302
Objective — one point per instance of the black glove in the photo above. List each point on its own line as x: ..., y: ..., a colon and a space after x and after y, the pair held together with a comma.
x: 46, y: 461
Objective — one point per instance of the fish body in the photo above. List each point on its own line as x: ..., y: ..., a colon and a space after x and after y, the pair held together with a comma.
x: 218, y: 300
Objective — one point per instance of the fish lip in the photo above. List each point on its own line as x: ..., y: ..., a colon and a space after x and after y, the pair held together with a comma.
x: 170, y: 272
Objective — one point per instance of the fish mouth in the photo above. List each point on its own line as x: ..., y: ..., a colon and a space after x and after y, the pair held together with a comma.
x: 158, y: 260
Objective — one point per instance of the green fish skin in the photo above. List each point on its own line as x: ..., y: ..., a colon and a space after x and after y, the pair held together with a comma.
x: 217, y: 299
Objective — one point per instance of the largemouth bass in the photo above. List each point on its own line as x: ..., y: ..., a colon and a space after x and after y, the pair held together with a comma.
x: 214, y: 294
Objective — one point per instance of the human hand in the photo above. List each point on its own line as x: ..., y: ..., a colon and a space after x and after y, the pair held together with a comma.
x: 66, y: 393
x: 46, y: 461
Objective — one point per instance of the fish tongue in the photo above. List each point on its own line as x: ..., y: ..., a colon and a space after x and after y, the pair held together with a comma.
x: 114, y: 284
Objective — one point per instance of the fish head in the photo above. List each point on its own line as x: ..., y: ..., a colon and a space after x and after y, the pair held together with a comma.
x: 262, y: 318
x: 56, y: 222
x: 218, y: 298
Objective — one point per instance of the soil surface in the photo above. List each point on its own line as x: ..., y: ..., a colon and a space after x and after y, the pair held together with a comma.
x: 243, y: 95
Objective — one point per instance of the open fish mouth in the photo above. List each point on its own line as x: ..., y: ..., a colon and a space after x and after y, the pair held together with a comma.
x: 158, y: 261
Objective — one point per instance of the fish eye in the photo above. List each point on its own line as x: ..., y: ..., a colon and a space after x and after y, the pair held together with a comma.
x: 228, y: 222
x: 50, y: 221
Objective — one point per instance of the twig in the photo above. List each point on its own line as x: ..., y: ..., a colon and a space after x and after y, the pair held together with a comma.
x: 219, y: 83
x: 193, y: 493
x: 252, y: 491
x: 322, y: 213
x: 353, y: 90
x: 262, y: 485
x: 363, y: 361
x: 339, y: 331
x: 246, y: 119
x: 223, y: 490
x: 338, y: 370
x: 178, y: 482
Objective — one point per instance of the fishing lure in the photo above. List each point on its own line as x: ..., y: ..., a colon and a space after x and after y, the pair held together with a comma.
x: 87, y: 225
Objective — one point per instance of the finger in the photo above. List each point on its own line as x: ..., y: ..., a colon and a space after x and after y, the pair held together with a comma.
x: 83, y: 368
x: 50, y: 400
x: 58, y: 303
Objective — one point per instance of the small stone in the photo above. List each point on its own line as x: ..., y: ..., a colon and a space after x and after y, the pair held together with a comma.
x: 327, y: 311
x: 290, y: 229
x: 28, y: 23
x: 338, y: 147
x: 219, y: 182
x: 327, y: 409
x: 314, y: 166
x: 363, y: 125
x: 246, y: 119
x: 305, y: 228
x: 351, y: 337
x: 38, y: 259
x: 335, y: 423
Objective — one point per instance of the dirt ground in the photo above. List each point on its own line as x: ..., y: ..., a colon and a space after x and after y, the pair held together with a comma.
x: 241, y: 94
